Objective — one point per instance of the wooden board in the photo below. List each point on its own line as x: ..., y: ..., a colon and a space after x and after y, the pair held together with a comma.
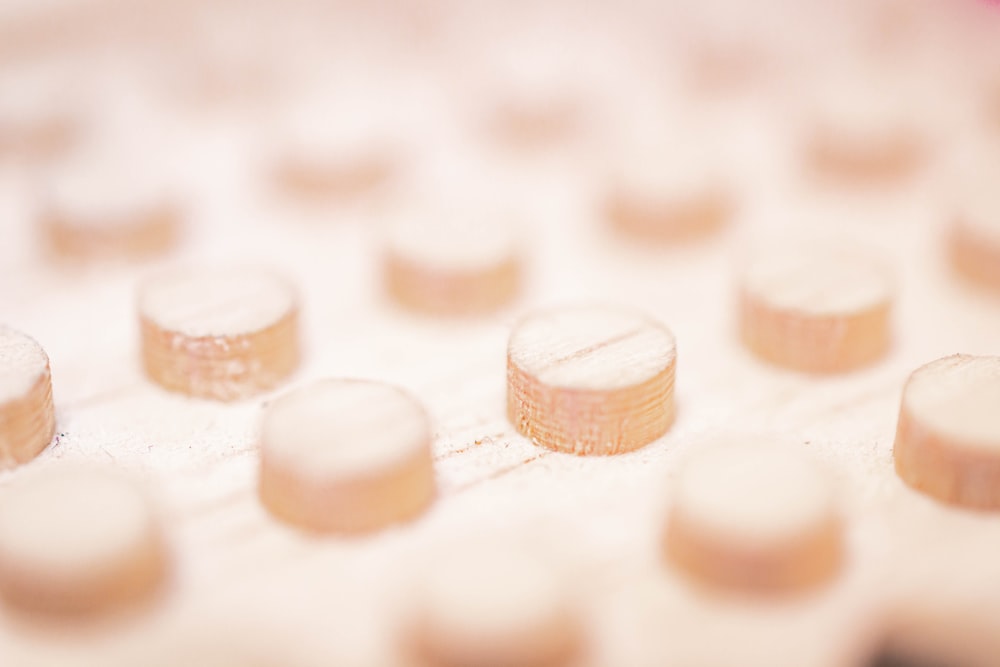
x: 917, y: 572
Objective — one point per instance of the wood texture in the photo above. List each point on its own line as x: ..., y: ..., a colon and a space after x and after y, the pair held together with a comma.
x: 27, y: 415
x: 590, y: 379
x: 919, y: 576
x: 218, y: 334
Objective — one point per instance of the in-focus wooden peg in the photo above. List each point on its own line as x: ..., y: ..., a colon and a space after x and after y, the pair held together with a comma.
x: 865, y: 135
x: 452, y: 265
x: 525, y: 121
x: 669, y: 194
x: 991, y: 101
x: 27, y: 417
x: 535, y: 93
x: 816, y: 311
x: 948, y: 435
x: 220, y: 334
x: 754, y: 518
x: 346, y: 456
x: 496, y: 606
x: 77, y: 542
x: 974, y: 239
x: 591, y: 380
x: 98, y: 206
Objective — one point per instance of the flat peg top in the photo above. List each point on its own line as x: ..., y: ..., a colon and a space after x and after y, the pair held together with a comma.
x: 591, y: 347
x: 216, y: 302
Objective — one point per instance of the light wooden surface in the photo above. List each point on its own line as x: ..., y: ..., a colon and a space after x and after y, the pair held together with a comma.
x: 916, y: 572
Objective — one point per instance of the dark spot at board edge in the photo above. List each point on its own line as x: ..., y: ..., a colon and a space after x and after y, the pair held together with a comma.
x: 887, y: 659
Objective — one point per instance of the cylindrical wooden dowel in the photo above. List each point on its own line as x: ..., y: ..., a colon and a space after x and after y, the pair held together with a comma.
x: 669, y: 195
x: 221, y: 334
x: 452, y: 266
x: 326, y: 153
x: 590, y: 380
x: 27, y: 416
x: 335, y: 178
x: 753, y: 518
x: 863, y: 136
x: 521, y: 120
x: 77, y: 542
x: 496, y: 606
x: 37, y: 118
x: 819, y: 312
x: 99, y: 207
x: 346, y: 456
x: 974, y: 239
x: 535, y: 99
x: 948, y: 435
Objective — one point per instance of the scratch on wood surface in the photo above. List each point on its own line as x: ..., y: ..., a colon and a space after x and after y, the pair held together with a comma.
x: 500, y: 472
x: 485, y: 440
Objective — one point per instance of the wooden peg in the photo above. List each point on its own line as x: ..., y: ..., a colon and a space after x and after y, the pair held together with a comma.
x: 974, y: 239
x: 77, y: 542
x: 98, y: 207
x: 752, y: 518
x: 669, y: 194
x: 496, y: 606
x: 221, y: 334
x: 816, y: 311
x: 328, y: 153
x: 346, y: 456
x: 452, y: 264
x: 38, y: 121
x: 948, y: 435
x: 27, y: 416
x: 864, y: 135
x: 590, y: 380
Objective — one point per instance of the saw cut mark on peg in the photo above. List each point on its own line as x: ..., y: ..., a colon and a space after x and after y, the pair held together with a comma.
x: 219, y: 334
x: 452, y: 265
x: 816, y: 311
x: 77, y: 542
x: 591, y: 379
x: 27, y: 415
x: 346, y: 456
x: 754, y: 518
x: 948, y: 435
x: 493, y: 606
